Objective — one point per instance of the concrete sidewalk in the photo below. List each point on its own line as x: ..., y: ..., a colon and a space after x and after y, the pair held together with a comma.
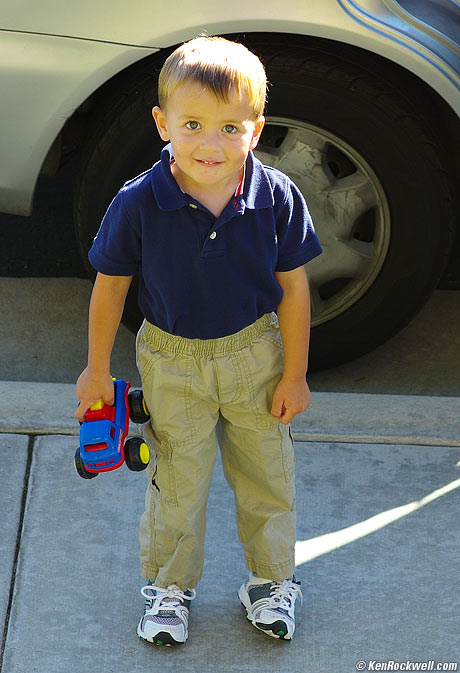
x: 377, y: 552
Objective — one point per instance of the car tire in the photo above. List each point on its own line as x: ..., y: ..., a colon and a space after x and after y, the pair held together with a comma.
x: 359, y: 123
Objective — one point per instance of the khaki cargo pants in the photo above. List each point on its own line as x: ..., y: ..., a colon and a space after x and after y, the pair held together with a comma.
x: 198, y: 392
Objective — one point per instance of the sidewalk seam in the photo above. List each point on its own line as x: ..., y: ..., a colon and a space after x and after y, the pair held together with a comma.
x: 299, y: 436
x: 406, y: 440
x: 25, y: 491
x: 36, y: 432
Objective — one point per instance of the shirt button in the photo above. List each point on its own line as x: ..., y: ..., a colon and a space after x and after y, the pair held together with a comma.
x: 193, y: 205
x: 213, y: 235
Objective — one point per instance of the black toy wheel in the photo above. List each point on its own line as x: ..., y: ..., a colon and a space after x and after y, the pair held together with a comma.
x: 137, y: 409
x: 80, y: 467
x: 137, y: 454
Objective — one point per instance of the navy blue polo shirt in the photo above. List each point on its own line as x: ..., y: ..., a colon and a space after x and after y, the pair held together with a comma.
x: 201, y: 276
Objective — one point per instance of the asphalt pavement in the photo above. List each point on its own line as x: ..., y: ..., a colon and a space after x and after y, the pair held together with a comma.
x: 378, y: 477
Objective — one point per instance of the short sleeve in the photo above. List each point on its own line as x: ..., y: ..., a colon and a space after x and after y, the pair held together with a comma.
x: 297, y: 239
x: 116, y: 249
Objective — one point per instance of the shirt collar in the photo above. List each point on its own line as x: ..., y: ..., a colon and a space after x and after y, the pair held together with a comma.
x: 167, y: 192
x: 255, y: 190
x: 239, y: 189
x: 258, y: 191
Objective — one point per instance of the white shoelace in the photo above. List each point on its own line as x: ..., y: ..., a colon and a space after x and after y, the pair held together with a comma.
x: 282, y: 595
x: 167, y: 598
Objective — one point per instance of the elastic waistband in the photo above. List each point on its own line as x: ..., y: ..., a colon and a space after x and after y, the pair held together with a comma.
x: 169, y: 343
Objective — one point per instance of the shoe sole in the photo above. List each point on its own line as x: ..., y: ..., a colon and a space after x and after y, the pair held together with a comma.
x: 161, y: 638
x: 276, y: 630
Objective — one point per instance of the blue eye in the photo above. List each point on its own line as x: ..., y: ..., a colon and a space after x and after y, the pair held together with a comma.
x: 229, y: 128
x: 193, y: 126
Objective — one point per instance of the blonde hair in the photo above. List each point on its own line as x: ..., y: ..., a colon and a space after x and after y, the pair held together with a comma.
x: 224, y: 68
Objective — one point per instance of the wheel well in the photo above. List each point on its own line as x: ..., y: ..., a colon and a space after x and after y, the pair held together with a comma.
x: 74, y: 133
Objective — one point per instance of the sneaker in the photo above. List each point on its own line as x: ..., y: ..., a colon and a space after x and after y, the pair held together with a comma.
x: 270, y: 606
x: 165, y: 621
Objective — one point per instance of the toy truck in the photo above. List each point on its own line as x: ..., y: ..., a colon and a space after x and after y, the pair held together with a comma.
x: 103, y: 434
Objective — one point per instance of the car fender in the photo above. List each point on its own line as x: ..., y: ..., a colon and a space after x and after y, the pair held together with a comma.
x: 43, y: 79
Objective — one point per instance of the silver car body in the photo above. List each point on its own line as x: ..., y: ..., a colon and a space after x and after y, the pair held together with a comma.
x: 55, y: 54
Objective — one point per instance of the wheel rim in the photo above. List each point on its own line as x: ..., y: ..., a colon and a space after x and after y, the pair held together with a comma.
x: 144, y: 453
x: 348, y: 206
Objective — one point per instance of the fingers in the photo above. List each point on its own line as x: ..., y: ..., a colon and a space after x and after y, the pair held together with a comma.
x: 286, y: 415
x: 82, y: 409
x: 280, y: 411
x: 85, y: 404
x: 290, y: 399
x: 108, y: 399
x: 277, y: 407
x: 92, y: 389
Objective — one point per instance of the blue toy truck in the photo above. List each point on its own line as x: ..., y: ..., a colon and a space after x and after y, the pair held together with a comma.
x: 103, y: 444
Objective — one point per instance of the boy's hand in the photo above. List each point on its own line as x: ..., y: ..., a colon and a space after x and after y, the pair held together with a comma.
x: 90, y: 389
x: 290, y: 398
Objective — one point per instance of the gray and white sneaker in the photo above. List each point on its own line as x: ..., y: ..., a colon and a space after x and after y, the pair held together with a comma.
x: 270, y: 606
x: 165, y: 621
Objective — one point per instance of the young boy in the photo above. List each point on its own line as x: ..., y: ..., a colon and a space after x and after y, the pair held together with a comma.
x: 220, y: 242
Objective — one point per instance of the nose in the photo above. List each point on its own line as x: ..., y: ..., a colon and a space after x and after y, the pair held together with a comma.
x: 210, y: 140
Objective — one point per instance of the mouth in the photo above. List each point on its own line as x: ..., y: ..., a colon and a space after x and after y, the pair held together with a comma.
x: 205, y: 162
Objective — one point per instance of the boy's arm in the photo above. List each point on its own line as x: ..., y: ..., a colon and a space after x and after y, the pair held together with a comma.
x: 106, y: 307
x: 292, y: 395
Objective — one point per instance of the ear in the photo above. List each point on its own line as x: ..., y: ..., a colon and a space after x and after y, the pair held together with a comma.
x: 160, y: 121
x: 258, y: 126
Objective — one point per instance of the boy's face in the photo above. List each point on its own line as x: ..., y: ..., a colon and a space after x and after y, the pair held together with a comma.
x: 210, y: 139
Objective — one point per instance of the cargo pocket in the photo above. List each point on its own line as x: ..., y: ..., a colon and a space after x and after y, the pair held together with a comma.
x: 287, y: 451
x: 260, y: 367
x: 164, y: 478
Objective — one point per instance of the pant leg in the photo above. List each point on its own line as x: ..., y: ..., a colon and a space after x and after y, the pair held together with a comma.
x: 258, y: 457
x: 179, y: 394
